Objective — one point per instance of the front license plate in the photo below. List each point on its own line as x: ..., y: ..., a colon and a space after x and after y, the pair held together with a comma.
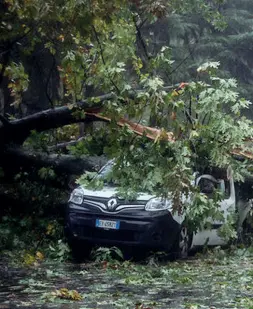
x: 106, y: 224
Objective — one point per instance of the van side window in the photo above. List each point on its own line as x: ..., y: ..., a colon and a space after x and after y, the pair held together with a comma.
x: 227, y: 189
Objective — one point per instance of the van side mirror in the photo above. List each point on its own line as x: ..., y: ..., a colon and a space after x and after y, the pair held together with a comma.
x: 207, y: 184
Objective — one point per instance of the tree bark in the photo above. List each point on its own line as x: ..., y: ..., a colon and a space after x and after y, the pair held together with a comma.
x: 17, y: 131
x: 61, y: 164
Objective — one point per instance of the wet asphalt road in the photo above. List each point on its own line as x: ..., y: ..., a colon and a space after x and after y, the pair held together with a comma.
x: 204, y: 282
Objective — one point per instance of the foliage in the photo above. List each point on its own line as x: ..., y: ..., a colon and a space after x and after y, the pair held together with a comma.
x: 94, y: 43
x: 34, y: 196
x: 227, y: 230
x: 18, y: 81
x: 58, y: 251
x: 67, y: 294
x: 106, y: 254
x: 92, y: 144
x: 33, y: 208
x: 204, y: 281
x: 204, y: 137
x: 46, y: 173
x: 63, y: 293
x: 193, y: 41
x: 43, y: 141
x: 46, y: 241
x: 99, y: 45
x: 30, y: 259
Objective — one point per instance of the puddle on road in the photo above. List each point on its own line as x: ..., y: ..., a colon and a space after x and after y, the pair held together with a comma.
x: 225, y: 282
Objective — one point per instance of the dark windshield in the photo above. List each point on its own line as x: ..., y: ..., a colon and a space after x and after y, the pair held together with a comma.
x: 106, y: 170
x: 106, y: 173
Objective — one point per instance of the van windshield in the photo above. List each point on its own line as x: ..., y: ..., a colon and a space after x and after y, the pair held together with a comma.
x: 106, y: 170
x: 105, y: 174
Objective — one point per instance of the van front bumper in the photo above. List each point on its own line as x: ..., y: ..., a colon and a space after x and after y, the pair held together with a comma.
x: 153, y: 230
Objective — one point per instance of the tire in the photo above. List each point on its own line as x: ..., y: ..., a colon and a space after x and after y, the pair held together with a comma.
x: 246, y: 236
x: 183, y: 243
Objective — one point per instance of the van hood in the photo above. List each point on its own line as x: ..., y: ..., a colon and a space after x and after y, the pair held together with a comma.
x: 108, y: 192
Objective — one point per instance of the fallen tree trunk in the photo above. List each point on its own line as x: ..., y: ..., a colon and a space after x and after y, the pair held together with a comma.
x: 17, y: 131
x: 62, y: 164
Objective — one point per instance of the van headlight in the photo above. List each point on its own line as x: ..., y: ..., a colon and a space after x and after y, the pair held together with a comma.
x: 76, y: 197
x: 156, y: 204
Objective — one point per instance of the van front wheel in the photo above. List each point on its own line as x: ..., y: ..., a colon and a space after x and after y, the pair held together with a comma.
x: 183, y: 243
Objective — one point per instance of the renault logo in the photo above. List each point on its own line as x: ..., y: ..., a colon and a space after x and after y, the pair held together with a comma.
x: 112, y: 203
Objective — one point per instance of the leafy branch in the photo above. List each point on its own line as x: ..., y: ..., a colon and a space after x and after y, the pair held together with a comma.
x: 103, y: 59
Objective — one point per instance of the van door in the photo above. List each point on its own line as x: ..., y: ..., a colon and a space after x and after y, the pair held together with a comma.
x: 208, y: 184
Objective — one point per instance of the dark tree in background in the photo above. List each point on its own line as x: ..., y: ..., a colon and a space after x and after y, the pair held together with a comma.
x: 193, y: 41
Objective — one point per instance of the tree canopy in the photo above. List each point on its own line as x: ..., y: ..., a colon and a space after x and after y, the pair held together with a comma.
x: 61, y: 59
